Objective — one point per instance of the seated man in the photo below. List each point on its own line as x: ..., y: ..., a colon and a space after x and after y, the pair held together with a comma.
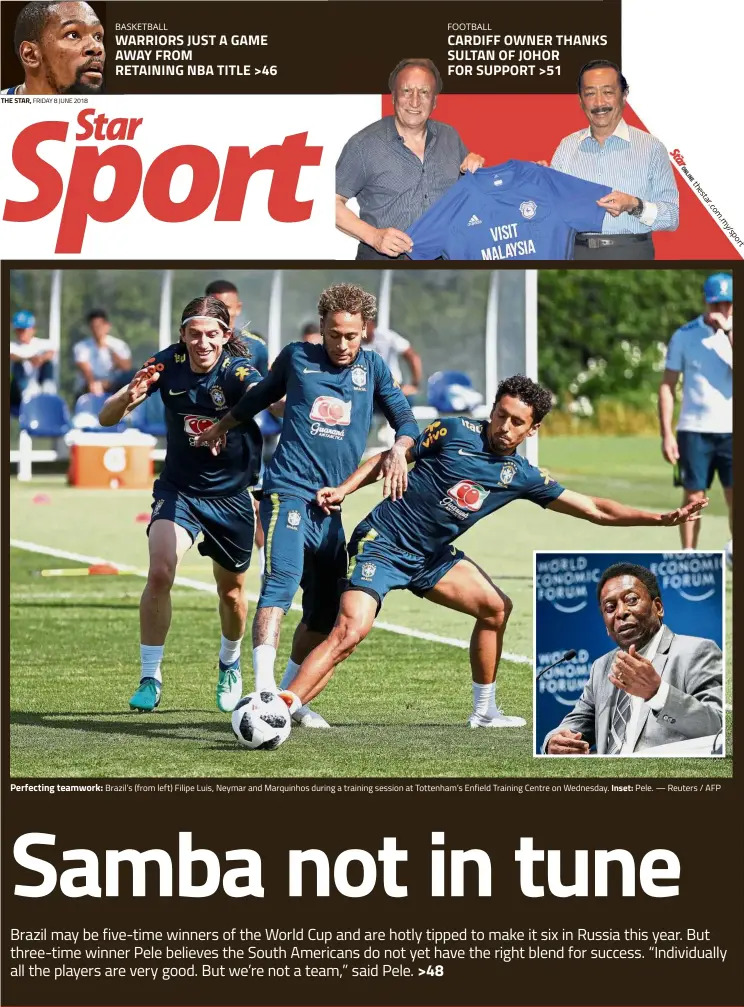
x: 31, y: 360
x: 655, y: 688
x: 103, y: 360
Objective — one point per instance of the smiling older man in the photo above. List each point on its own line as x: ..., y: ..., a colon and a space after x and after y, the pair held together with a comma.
x: 634, y: 163
x: 400, y: 165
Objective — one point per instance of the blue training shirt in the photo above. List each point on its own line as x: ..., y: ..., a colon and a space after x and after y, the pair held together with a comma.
x: 194, y: 402
x: 516, y: 210
x: 327, y: 415
x: 457, y: 480
x: 258, y: 354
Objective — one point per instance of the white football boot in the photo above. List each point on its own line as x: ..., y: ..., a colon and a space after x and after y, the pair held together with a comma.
x: 495, y: 717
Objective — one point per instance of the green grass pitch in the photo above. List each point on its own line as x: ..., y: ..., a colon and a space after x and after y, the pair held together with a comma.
x: 398, y: 706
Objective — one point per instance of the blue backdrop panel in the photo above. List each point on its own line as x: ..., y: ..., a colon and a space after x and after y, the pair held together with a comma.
x: 567, y: 615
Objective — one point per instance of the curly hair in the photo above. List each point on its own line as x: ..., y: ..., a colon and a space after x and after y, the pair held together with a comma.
x: 425, y: 64
x: 529, y: 392
x: 350, y: 298
x: 213, y: 307
x: 642, y: 574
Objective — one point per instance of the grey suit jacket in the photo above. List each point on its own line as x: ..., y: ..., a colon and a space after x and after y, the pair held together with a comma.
x: 691, y: 665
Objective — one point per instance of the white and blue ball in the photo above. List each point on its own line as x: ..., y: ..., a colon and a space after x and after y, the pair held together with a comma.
x: 261, y: 721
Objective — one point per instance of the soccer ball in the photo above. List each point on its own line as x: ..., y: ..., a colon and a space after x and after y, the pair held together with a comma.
x: 261, y: 720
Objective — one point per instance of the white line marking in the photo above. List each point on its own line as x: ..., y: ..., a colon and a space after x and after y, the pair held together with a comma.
x: 200, y: 585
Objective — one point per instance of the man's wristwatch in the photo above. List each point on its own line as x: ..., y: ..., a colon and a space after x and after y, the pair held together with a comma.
x: 637, y: 210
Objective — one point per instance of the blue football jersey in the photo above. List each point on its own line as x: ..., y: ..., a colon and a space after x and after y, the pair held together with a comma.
x: 258, y: 354
x: 457, y: 480
x: 517, y: 210
x: 327, y: 415
x: 193, y: 402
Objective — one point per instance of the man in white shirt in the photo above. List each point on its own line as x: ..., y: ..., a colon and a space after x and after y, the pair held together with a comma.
x: 658, y: 687
x: 633, y: 162
x: 391, y: 346
x: 702, y: 352
x: 31, y: 360
x: 103, y: 360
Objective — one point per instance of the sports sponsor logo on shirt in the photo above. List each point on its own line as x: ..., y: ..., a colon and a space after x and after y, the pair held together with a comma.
x: 194, y: 425
x: 468, y: 497
x: 471, y: 426
x: 474, y: 220
x: 329, y: 413
x: 359, y: 376
x: 506, y: 248
x: 528, y: 209
x: 433, y: 432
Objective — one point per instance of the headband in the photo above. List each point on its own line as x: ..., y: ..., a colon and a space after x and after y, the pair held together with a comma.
x: 204, y: 318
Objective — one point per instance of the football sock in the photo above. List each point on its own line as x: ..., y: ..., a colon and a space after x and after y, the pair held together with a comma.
x: 484, y: 697
x: 150, y: 658
x: 229, y: 650
x: 289, y: 674
x: 264, y: 657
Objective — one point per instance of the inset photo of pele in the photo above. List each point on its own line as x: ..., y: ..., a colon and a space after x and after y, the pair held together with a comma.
x: 628, y: 654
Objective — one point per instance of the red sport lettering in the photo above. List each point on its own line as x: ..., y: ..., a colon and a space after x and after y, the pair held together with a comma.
x: 134, y: 180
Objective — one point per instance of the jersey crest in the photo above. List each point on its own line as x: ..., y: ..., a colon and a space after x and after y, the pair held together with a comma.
x: 528, y: 209
x: 217, y: 396
x: 368, y: 570
x: 508, y: 471
x: 359, y: 376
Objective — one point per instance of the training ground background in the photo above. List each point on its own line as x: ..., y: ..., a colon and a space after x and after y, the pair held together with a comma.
x: 398, y: 707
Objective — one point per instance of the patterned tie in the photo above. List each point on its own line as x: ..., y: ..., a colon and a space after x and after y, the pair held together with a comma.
x: 619, y: 725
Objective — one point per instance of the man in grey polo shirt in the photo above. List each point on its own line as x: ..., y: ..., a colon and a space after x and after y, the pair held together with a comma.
x: 397, y: 167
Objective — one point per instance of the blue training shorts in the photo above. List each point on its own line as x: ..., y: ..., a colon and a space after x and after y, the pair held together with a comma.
x: 701, y: 456
x: 227, y: 523
x: 304, y: 548
x: 377, y: 565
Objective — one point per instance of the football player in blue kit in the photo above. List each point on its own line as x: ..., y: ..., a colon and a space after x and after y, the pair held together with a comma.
x: 199, y: 490
x: 330, y: 393
x: 258, y: 353
x: 464, y: 471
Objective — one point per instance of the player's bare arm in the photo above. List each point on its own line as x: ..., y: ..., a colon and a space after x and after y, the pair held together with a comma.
x: 722, y: 321
x: 331, y: 497
x: 92, y: 384
x: 259, y: 396
x: 414, y: 362
x: 610, y: 512
x: 667, y: 395
x: 394, y: 468
x: 385, y: 240
x: 127, y: 398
